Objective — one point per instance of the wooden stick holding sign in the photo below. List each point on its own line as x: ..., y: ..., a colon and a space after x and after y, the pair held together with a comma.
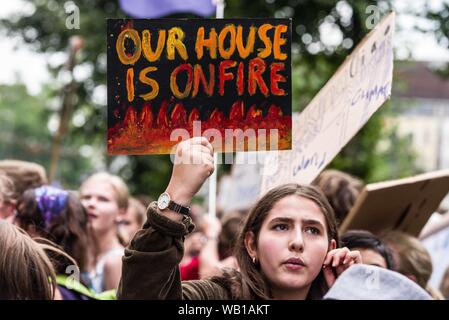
x: 341, y: 108
x: 212, y: 208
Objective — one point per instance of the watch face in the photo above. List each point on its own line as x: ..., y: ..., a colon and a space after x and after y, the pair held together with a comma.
x: 163, y: 201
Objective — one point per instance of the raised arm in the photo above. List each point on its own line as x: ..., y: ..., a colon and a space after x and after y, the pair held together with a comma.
x: 150, y: 265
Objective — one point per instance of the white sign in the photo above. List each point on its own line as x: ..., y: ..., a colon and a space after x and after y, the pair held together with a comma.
x: 358, y: 88
x: 438, y: 247
x: 243, y: 186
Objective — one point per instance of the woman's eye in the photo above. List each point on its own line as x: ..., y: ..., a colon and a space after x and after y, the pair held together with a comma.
x: 280, y: 227
x: 313, y: 230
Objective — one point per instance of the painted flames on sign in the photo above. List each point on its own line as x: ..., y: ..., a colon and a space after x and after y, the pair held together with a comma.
x: 142, y: 132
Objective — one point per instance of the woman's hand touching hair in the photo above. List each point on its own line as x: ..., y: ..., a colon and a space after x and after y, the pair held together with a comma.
x: 337, y: 261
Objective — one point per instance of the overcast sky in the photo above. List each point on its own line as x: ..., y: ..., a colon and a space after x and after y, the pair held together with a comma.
x: 30, y: 67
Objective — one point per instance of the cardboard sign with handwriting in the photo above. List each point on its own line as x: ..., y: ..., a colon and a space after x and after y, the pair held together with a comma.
x: 341, y: 108
x: 403, y: 205
x: 172, y: 79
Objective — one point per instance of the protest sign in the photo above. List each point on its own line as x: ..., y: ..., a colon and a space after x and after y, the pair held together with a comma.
x: 171, y: 79
x: 403, y: 205
x: 341, y: 108
x: 243, y: 185
x: 438, y: 246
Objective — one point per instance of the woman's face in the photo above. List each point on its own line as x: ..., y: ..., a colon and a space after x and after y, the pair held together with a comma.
x: 129, y: 223
x: 292, y: 245
x: 98, y: 198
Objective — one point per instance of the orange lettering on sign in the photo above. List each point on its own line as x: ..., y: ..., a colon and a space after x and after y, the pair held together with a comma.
x: 225, y: 76
x: 245, y: 51
x: 186, y: 67
x: 130, y: 84
x: 151, y: 82
x: 262, y: 32
x: 198, y: 75
x: 257, y: 67
x: 226, y: 53
x: 128, y: 58
x: 148, y: 52
x: 174, y: 41
x: 210, y: 43
x: 275, y: 78
x: 279, y: 41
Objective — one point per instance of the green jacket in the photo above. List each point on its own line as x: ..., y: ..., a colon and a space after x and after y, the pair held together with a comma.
x: 150, y: 264
x: 76, y: 286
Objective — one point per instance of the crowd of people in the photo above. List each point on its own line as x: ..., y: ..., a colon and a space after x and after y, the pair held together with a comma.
x: 99, y: 242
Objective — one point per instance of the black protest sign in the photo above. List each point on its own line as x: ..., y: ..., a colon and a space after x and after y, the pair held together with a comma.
x: 171, y: 79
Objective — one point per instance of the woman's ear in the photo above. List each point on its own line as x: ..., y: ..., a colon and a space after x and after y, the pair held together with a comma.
x: 9, y: 209
x: 333, y: 245
x: 250, y: 244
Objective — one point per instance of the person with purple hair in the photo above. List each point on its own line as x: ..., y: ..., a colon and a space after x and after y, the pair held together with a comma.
x: 56, y: 216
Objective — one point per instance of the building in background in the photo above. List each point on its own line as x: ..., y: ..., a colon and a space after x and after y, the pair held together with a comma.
x: 422, y: 98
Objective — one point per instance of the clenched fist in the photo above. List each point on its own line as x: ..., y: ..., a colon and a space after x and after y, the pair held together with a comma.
x: 193, y: 164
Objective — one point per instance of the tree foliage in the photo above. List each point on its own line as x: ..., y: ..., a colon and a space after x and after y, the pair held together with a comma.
x: 314, y: 62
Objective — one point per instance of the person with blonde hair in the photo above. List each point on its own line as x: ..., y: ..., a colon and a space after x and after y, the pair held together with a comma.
x: 24, y: 174
x: 411, y: 259
x: 26, y: 272
x: 17, y: 176
x: 105, y: 198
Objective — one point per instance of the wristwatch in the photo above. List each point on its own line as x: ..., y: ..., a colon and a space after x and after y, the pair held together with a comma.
x: 164, y: 202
